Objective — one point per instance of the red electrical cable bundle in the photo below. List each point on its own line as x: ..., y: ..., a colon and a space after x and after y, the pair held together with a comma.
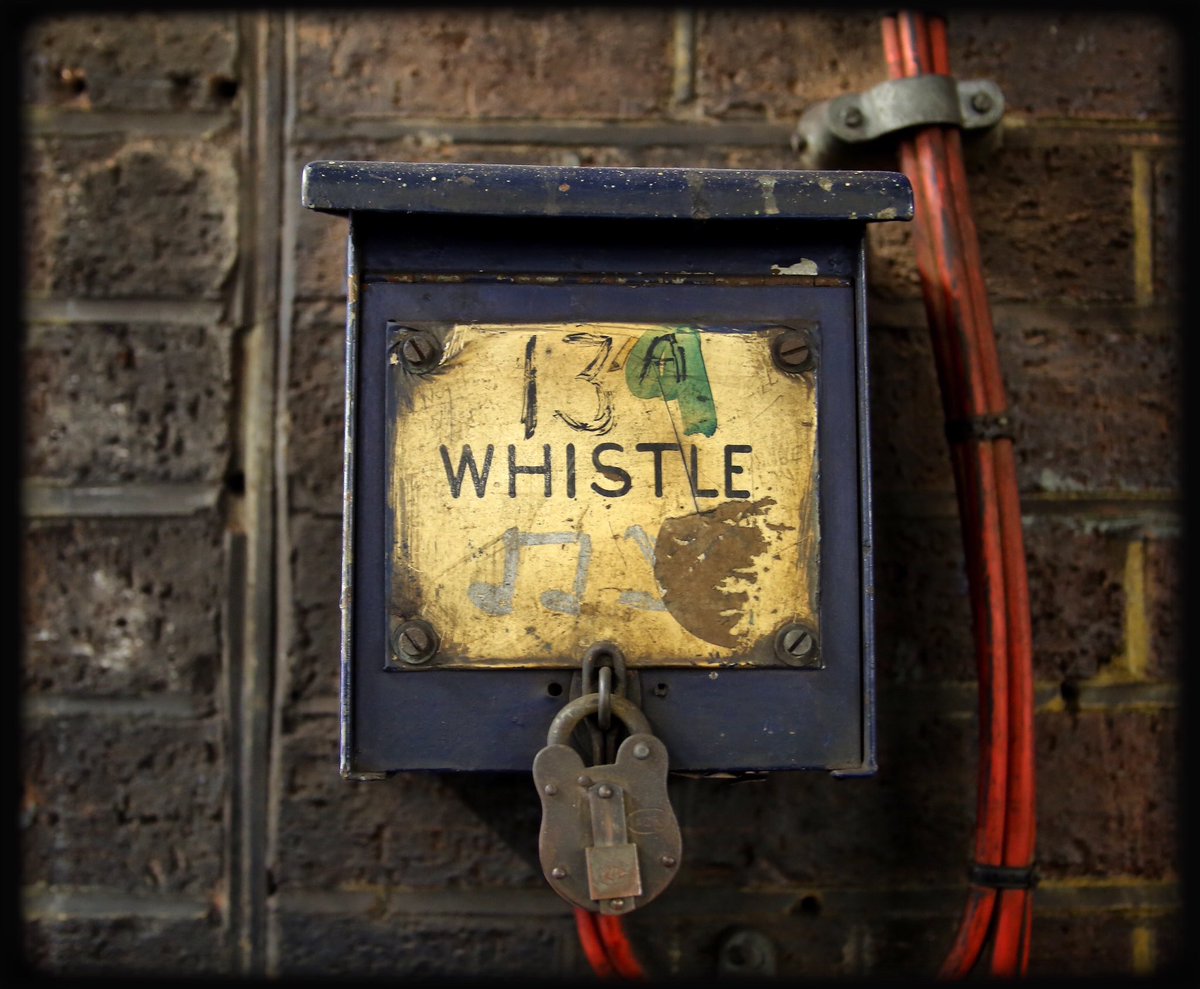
x: 607, y: 946
x: 964, y: 345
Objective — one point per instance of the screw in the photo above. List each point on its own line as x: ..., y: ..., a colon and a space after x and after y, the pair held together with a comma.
x: 604, y: 790
x: 419, y: 349
x: 981, y: 102
x: 796, y: 645
x: 550, y: 789
x: 852, y: 116
x: 792, y: 351
x: 668, y: 861
x: 584, y: 781
x: 415, y: 641
x: 660, y: 690
x: 558, y: 872
x: 617, y: 904
x: 641, y: 751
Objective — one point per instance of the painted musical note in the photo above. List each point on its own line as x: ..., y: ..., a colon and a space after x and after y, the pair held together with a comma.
x: 497, y: 599
x: 642, y: 600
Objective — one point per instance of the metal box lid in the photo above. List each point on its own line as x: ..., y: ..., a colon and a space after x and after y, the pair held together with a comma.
x: 574, y: 191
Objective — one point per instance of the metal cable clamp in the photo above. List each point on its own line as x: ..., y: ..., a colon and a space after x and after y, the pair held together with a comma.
x: 829, y: 130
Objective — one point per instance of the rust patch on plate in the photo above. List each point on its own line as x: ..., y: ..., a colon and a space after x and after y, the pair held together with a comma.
x: 702, y: 562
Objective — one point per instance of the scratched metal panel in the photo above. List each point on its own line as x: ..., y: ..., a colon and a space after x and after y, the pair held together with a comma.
x: 555, y: 485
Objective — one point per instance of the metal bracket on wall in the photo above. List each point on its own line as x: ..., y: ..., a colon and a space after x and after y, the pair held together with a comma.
x: 828, y: 132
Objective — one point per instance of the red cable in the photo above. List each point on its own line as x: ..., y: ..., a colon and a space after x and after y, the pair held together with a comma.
x: 1010, y: 954
x: 904, y: 60
x: 593, y: 946
x: 620, y: 951
x: 607, y: 946
x: 985, y: 476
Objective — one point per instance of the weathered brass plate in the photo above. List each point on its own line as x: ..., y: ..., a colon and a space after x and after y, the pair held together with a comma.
x: 557, y: 485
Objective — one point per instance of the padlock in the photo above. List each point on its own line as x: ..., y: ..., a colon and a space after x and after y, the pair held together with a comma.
x: 609, y: 840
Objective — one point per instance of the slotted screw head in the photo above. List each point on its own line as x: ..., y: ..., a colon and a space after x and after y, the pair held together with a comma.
x: 792, y: 351
x: 796, y: 645
x: 414, y: 641
x: 420, y: 350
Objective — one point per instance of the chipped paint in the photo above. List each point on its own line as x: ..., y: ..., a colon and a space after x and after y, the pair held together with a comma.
x: 804, y: 266
x: 770, y: 207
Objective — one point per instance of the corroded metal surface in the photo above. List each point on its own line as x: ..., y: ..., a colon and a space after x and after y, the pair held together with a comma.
x: 609, y: 839
x: 555, y: 485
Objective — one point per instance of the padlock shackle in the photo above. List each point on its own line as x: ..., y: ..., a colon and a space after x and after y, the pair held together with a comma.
x: 565, y: 721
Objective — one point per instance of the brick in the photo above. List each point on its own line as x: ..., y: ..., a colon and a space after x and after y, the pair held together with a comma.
x: 125, y: 946
x: 1172, y: 951
x: 1107, y: 794
x: 1054, y: 225
x: 416, y: 830
x: 108, y: 404
x: 1086, y: 944
x: 1125, y: 65
x: 316, y: 417
x: 910, y: 823
x: 1096, y: 401
x: 315, y: 648
x: 320, y: 253
x: 1163, y: 608
x: 170, y: 205
x: 922, y: 604
x: 891, y: 261
x: 1094, y: 393
x: 1076, y: 598
x: 923, y: 616
x: 900, y: 945
x: 429, y: 947
x: 133, y: 62
x: 479, y: 64
x: 135, y: 805
x: 909, y: 450
x: 1167, y: 235
x: 772, y: 65
x: 123, y: 607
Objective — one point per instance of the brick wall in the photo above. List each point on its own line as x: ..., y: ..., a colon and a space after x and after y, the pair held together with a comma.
x: 181, y: 810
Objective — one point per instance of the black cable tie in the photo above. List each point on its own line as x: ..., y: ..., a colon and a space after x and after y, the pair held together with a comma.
x: 1003, y: 876
x: 992, y: 427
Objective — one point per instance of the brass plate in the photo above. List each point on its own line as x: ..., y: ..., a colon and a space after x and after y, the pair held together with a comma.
x: 558, y: 485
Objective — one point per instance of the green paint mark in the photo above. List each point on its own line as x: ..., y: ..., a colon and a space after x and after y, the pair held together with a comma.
x: 668, y: 365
